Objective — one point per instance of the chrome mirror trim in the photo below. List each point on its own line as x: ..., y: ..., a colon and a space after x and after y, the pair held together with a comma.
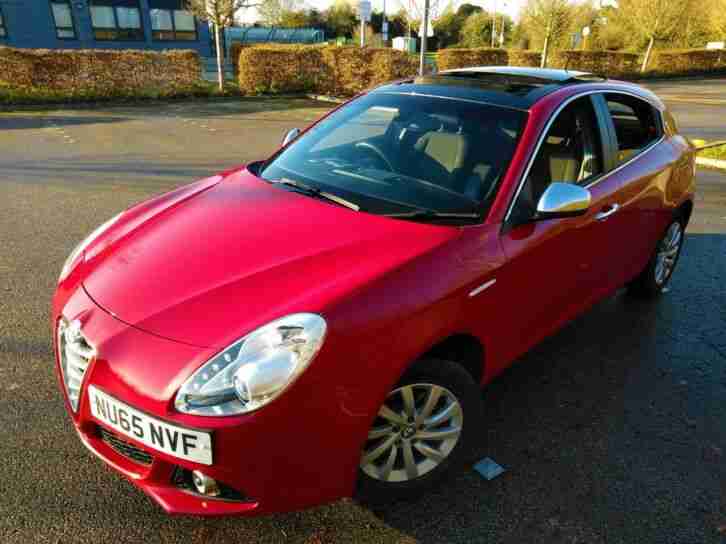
x: 563, y: 200
x: 290, y: 136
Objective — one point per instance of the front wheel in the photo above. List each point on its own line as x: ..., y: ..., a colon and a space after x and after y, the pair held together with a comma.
x: 421, y: 433
x: 654, y: 278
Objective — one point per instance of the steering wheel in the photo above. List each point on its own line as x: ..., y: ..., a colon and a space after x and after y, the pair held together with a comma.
x: 377, y: 152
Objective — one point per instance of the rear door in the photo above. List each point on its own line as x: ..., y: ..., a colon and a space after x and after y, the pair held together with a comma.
x: 642, y: 167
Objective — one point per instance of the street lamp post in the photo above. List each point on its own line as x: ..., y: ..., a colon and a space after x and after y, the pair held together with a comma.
x: 494, y: 22
x: 424, y: 34
x: 384, y: 25
x: 364, y: 11
x: 501, y: 27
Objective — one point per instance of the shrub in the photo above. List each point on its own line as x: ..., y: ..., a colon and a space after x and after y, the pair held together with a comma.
x: 522, y: 57
x: 606, y: 63
x: 687, y: 61
x: 234, y: 50
x: 280, y: 69
x: 91, y: 74
x: 449, y: 59
x: 320, y: 69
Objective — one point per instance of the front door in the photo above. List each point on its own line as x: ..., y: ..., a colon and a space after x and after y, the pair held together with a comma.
x: 554, y: 267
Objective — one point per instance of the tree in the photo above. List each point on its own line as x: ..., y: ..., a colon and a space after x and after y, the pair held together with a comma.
x: 272, y: 12
x: 467, y: 9
x: 477, y: 30
x: 220, y: 13
x: 341, y: 19
x: 397, y: 24
x: 294, y: 19
x: 448, y: 27
x: 547, y: 22
x: 316, y: 19
x: 651, y: 20
x: 717, y: 26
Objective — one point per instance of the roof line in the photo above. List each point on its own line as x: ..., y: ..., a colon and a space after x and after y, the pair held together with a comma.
x: 460, y: 99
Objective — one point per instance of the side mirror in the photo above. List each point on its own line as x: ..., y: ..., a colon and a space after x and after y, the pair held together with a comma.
x: 563, y: 200
x: 290, y: 136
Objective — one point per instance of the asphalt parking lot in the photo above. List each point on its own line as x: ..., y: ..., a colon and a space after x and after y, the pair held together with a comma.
x: 613, y: 430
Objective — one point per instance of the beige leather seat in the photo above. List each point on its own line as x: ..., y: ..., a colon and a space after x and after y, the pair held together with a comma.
x: 564, y: 166
x: 443, y: 154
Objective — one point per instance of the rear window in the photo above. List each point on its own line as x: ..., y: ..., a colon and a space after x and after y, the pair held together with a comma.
x: 636, y: 124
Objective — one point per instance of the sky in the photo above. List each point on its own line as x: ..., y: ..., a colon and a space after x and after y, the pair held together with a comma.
x: 510, y: 7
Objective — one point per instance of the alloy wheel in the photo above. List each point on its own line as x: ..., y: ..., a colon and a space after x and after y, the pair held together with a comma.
x: 417, y: 428
x: 668, y: 248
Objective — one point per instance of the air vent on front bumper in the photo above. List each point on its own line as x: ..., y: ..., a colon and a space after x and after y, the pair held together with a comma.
x: 75, y: 355
x: 127, y: 449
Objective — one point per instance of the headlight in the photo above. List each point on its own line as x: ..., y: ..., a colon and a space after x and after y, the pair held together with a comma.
x: 255, y: 370
x: 75, y: 255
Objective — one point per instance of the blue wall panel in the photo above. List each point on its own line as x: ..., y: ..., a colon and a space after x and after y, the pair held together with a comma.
x: 29, y: 23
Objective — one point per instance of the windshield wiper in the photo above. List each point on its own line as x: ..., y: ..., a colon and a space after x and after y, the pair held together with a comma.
x: 432, y: 214
x: 315, y: 191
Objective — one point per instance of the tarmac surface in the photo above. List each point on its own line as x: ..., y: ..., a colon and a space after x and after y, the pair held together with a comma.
x: 613, y: 430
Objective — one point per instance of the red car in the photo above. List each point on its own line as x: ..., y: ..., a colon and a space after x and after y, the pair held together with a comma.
x: 319, y: 324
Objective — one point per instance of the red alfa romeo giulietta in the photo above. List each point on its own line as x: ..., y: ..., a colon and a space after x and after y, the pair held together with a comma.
x: 319, y: 324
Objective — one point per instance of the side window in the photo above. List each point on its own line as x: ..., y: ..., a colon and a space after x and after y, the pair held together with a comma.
x: 636, y: 124
x: 63, y: 19
x: 571, y: 152
x: 3, y: 31
x: 116, y: 22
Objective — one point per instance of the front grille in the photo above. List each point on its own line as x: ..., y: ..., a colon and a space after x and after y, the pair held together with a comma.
x: 128, y: 450
x: 75, y: 355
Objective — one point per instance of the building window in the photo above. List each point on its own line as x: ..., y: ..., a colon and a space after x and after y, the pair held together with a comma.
x: 172, y: 23
x: 63, y: 18
x: 3, y: 31
x: 116, y: 20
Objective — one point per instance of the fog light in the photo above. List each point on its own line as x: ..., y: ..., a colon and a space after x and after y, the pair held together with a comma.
x: 204, y: 484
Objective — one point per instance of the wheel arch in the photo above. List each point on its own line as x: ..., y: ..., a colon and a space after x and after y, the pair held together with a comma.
x: 685, y: 210
x: 463, y: 349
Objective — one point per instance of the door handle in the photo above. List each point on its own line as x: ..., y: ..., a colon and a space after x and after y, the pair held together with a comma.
x: 607, y: 211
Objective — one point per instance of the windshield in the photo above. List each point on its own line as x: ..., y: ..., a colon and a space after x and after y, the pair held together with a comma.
x: 393, y: 154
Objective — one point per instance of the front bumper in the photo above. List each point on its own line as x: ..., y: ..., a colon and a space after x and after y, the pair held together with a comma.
x: 284, y: 457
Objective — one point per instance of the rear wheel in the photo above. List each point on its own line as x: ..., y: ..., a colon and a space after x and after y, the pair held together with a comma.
x: 422, y: 432
x: 655, y: 277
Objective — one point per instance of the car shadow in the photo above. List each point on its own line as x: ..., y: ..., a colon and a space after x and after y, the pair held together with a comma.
x: 610, y: 430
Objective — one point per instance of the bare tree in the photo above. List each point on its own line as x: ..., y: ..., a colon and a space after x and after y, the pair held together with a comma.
x: 652, y: 20
x: 220, y: 13
x: 272, y: 12
x: 547, y: 22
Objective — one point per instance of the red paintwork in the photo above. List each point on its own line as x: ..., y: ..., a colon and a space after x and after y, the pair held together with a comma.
x: 187, y: 273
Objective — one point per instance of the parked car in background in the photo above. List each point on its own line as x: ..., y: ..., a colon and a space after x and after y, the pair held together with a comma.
x: 319, y: 324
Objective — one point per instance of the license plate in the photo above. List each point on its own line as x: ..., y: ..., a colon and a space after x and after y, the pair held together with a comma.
x: 158, y: 435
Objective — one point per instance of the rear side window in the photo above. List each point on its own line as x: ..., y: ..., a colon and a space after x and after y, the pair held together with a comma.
x: 636, y: 124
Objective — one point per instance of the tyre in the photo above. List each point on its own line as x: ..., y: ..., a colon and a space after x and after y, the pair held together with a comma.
x: 654, y: 278
x: 423, y: 432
